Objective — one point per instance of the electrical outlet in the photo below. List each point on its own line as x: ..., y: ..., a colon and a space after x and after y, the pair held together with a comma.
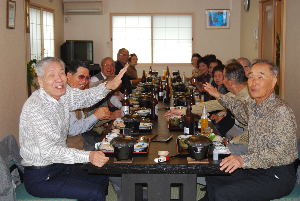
x: 66, y: 19
x: 107, y: 44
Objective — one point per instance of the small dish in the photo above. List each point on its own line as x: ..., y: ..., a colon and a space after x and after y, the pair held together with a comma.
x: 221, y: 149
x: 143, y: 112
x: 184, y: 136
x: 163, y: 153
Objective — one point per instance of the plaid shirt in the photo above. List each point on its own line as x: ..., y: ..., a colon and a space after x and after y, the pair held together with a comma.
x: 272, y: 131
x: 44, y: 125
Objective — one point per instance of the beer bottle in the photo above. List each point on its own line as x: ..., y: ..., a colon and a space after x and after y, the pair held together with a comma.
x: 178, y: 77
x: 160, y: 90
x: 126, y: 104
x: 183, y: 77
x: 153, y: 106
x: 189, y: 122
x: 144, y: 77
x: 168, y: 73
x: 150, y: 71
x: 192, y: 98
x: 167, y: 93
x: 204, y: 120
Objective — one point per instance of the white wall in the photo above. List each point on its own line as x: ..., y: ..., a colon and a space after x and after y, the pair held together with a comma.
x: 249, y: 20
x: 224, y: 43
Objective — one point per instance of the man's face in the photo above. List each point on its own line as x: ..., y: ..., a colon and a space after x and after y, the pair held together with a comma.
x: 244, y: 64
x: 211, y: 67
x: 203, y: 68
x: 123, y: 56
x: 194, y: 61
x: 108, y: 67
x: 54, y: 80
x: 261, y: 82
x: 218, y: 78
x: 80, y: 79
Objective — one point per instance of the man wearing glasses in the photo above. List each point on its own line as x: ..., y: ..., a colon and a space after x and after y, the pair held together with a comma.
x: 78, y: 77
x: 123, y: 56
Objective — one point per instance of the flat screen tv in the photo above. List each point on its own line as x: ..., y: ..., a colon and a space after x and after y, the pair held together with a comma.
x: 77, y: 49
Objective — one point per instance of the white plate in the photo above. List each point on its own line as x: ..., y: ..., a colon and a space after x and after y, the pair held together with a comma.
x: 140, y: 146
x: 222, y: 150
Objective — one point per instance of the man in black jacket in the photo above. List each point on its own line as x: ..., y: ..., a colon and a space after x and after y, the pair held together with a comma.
x: 123, y: 56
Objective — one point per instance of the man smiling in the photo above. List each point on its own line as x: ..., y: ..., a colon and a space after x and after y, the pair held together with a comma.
x: 44, y: 123
x: 267, y: 172
x: 78, y: 77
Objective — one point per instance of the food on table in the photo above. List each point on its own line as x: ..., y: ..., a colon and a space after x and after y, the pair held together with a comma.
x: 183, y: 144
x: 175, y: 121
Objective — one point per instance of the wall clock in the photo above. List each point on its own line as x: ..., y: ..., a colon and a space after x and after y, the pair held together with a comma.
x: 246, y: 5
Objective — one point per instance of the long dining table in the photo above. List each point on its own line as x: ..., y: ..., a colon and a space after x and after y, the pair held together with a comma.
x: 158, y: 177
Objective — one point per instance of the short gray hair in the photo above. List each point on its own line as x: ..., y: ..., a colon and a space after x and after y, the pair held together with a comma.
x: 39, y: 68
x: 272, y: 67
x: 248, y: 63
x: 106, y: 58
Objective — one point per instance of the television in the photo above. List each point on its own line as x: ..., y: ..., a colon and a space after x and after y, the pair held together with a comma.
x: 77, y: 49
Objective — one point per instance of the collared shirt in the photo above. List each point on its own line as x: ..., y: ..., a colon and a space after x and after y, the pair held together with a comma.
x: 44, y: 125
x: 272, y: 131
x: 78, y: 126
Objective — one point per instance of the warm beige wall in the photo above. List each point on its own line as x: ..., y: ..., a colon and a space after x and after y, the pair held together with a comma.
x: 13, y: 43
x: 249, y: 20
x: 292, y: 59
x: 13, y: 72
x: 224, y: 43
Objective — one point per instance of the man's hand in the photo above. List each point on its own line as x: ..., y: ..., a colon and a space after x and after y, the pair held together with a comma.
x: 98, y: 158
x: 116, y: 114
x: 102, y: 113
x: 216, y: 117
x: 175, y: 112
x: 211, y: 90
x: 231, y: 163
x: 115, y: 83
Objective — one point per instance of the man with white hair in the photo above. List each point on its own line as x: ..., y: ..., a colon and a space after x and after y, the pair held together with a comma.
x: 44, y: 124
x: 267, y: 171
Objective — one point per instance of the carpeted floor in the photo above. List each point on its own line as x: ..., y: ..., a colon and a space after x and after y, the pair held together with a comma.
x: 112, y: 196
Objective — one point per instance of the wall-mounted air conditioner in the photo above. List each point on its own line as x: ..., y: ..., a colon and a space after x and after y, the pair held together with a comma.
x: 83, y: 8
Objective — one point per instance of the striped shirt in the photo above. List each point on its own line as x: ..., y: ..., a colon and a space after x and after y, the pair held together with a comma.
x: 44, y: 125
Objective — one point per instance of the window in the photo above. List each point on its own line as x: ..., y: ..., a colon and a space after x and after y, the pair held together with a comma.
x: 41, y: 32
x: 154, y: 38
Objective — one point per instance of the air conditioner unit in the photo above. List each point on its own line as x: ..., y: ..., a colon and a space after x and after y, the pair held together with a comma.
x: 83, y: 8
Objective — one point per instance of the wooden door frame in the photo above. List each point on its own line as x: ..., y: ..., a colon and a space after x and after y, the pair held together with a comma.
x: 277, y: 27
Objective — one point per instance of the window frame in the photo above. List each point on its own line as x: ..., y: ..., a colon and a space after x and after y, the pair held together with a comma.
x: 150, y: 14
x: 42, y: 8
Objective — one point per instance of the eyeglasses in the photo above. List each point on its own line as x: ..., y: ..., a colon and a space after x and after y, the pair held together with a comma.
x: 82, y: 77
x: 126, y: 55
x: 111, y: 65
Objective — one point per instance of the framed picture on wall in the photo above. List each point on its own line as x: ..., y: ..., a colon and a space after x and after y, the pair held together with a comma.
x: 217, y: 19
x: 11, y: 14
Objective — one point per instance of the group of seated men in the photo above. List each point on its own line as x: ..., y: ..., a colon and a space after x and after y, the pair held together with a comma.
x: 264, y: 131
x: 264, y: 145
